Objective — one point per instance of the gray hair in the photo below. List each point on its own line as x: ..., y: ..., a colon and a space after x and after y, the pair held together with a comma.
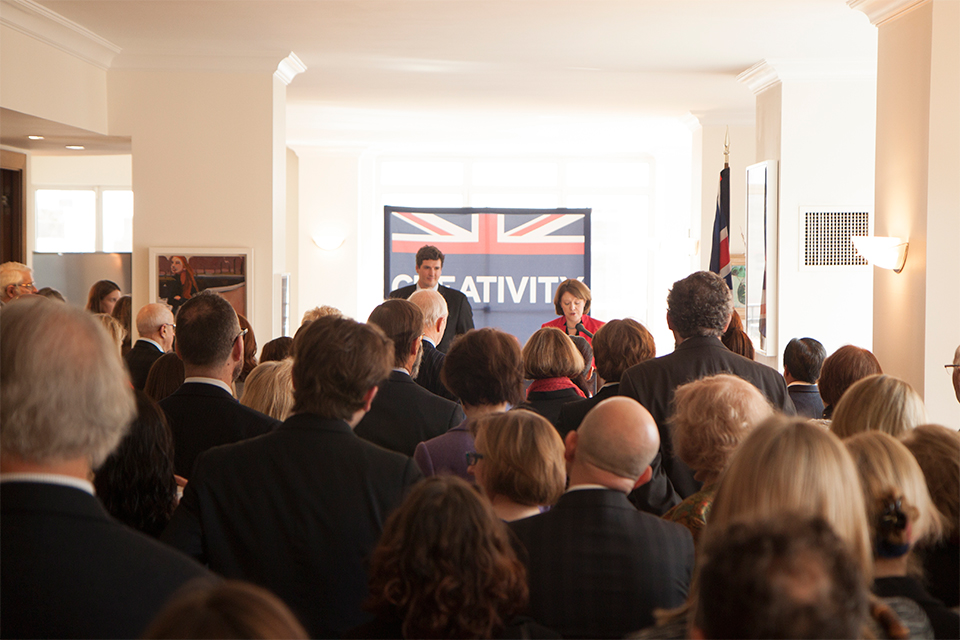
x: 699, y: 305
x: 432, y: 304
x: 12, y: 273
x: 151, y: 317
x: 63, y: 392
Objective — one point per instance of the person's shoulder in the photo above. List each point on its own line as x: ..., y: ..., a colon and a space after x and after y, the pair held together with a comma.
x: 450, y: 293
x: 403, y: 292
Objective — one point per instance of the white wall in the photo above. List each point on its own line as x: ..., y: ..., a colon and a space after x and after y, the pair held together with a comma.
x: 82, y: 171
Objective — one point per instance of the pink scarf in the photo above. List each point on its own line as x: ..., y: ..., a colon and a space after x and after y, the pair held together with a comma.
x: 553, y: 384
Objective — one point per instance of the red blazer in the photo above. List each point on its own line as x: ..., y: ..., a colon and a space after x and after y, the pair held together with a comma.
x: 589, y: 324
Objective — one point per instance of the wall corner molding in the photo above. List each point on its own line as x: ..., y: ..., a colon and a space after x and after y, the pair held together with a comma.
x: 768, y: 73
x: 35, y: 20
x: 880, y: 11
x: 759, y: 77
x: 289, y: 68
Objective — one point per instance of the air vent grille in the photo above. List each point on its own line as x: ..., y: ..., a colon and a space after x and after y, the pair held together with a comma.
x: 827, y: 238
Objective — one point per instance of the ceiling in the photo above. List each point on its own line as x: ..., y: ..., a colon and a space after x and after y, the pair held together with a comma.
x: 634, y: 58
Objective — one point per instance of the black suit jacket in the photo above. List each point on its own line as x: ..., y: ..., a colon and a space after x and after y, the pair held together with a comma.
x: 404, y: 414
x: 573, y: 413
x: 139, y: 360
x: 806, y: 398
x: 548, y: 403
x: 429, y: 375
x: 460, y: 319
x: 203, y: 416
x: 653, y: 383
x: 71, y: 571
x: 297, y: 511
x: 598, y: 567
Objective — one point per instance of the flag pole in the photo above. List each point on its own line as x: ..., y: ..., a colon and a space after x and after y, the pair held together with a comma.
x: 726, y: 149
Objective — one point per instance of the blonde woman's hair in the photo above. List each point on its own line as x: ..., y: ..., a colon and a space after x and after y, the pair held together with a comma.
x: 888, y: 470
x: 269, y: 389
x: 789, y: 464
x: 713, y: 415
x: 937, y: 450
x: 550, y: 353
x: 114, y: 329
x: 878, y: 403
x: 523, y: 457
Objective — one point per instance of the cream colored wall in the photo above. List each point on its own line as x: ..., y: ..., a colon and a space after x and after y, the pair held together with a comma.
x: 82, y: 171
x: 42, y: 81
x: 292, y: 249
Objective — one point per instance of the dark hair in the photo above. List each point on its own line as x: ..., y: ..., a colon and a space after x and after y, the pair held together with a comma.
x: 123, y: 312
x: 803, y: 358
x: 165, y: 376
x: 787, y: 578
x: 575, y: 288
x: 699, y: 305
x: 100, y: 290
x: 249, y: 348
x: 445, y: 565
x: 620, y: 344
x: 402, y: 321
x: 135, y: 483
x: 484, y: 367
x: 336, y: 361
x: 582, y: 380
x: 52, y: 294
x: 228, y: 609
x: 277, y: 349
x: 207, y: 327
x: 842, y: 368
x: 736, y: 339
x: 429, y: 252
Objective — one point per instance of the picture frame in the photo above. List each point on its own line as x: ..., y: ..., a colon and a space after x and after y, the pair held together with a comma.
x: 224, y: 270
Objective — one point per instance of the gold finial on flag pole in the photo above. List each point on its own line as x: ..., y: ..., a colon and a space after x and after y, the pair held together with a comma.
x: 726, y: 149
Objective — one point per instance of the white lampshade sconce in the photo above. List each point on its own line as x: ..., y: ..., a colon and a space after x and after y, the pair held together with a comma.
x: 881, y: 251
x: 329, y: 241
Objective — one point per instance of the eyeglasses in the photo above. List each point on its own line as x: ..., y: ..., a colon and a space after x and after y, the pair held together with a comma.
x: 169, y: 324
x: 32, y: 285
x: 473, y: 458
x: 242, y: 333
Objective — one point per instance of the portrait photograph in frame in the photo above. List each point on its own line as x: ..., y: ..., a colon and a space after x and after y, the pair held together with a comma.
x: 179, y: 273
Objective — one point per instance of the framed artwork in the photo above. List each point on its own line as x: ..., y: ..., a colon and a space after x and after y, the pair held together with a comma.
x: 177, y: 274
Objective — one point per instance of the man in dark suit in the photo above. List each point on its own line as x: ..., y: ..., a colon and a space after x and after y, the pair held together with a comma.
x: 435, y: 313
x: 802, y: 361
x: 203, y: 412
x: 597, y: 566
x: 299, y: 510
x: 404, y: 414
x: 698, y: 312
x: 156, y: 329
x: 429, y: 267
x: 67, y: 569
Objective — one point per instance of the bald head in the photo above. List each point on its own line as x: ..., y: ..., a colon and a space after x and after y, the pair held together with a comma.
x: 154, y: 321
x: 435, y: 312
x: 619, y: 437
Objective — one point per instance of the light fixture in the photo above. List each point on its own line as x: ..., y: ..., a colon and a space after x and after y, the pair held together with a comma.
x: 75, y: 147
x: 35, y: 137
x: 881, y: 251
x: 329, y: 241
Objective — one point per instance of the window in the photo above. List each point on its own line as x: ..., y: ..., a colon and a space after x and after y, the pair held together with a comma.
x: 95, y: 219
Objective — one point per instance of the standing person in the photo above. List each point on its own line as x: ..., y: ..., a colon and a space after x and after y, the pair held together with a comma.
x: 840, y: 370
x: 103, y: 296
x: 123, y: 312
x: 802, y: 360
x: 67, y: 569
x: 299, y: 510
x: 572, y: 303
x: 429, y: 267
x: 435, y: 315
x: 156, y: 328
x: 15, y: 280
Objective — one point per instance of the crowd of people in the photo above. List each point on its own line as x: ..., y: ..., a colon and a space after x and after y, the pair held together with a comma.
x: 411, y: 476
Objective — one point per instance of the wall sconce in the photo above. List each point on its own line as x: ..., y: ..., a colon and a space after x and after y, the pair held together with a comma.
x: 881, y: 251
x: 329, y: 241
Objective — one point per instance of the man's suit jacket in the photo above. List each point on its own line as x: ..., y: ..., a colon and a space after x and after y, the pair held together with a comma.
x: 429, y: 375
x: 139, y: 360
x: 460, y: 319
x: 404, y: 414
x: 203, y: 416
x: 573, y: 413
x: 806, y: 398
x: 598, y: 568
x: 653, y: 383
x: 297, y: 511
x: 72, y: 571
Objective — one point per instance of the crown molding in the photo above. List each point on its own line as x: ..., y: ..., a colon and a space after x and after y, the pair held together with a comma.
x: 725, y: 117
x: 49, y: 27
x: 249, y: 62
x: 881, y: 11
x: 759, y: 77
x: 289, y: 68
x: 768, y: 73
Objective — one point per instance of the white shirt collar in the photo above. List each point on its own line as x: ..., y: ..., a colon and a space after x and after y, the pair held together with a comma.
x: 154, y: 343
x: 432, y: 343
x: 217, y: 383
x: 49, y: 478
x: 584, y: 487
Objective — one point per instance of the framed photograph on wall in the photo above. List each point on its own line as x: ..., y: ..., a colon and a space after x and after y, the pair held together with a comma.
x: 179, y: 273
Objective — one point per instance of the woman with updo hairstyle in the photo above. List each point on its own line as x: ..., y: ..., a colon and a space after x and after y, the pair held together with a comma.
x: 165, y: 376
x: 841, y: 369
x: 551, y: 361
x: 518, y: 462
x: 900, y: 514
x: 572, y: 303
x: 445, y: 568
x: 483, y: 368
x: 269, y: 389
x: 713, y: 415
x: 878, y: 403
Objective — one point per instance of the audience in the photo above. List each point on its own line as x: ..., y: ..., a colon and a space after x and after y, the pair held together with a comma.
x: 166, y: 375
x: 203, y: 412
x: 584, y: 380
x: 551, y: 361
x: 736, y: 339
x: 69, y: 570
x: 123, y: 312
x: 518, y: 462
x: 445, y: 568
x: 299, y: 509
x: 51, y: 293
x: 403, y: 413
x: 103, y: 296
x: 597, y: 566
x: 157, y: 329
x: 713, y: 416
x: 802, y: 361
x: 435, y: 315
x: 483, y: 368
x: 135, y: 484
x: 617, y: 346
x: 249, y: 353
x: 878, y: 403
x: 320, y: 312
x: 277, y: 349
x: 16, y: 279
x: 841, y: 369
x: 269, y: 389
x: 900, y: 514
x: 114, y: 329
x: 229, y: 609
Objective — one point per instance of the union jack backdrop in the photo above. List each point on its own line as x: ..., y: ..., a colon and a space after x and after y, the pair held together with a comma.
x: 507, y: 262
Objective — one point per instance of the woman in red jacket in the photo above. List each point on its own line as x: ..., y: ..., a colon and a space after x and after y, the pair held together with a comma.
x: 572, y: 302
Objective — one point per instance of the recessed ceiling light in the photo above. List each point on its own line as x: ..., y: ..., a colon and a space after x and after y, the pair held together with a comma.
x: 74, y: 146
x: 35, y: 137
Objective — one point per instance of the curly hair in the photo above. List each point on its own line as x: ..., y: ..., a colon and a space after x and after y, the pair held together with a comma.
x: 699, y: 305
x: 136, y: 483
x: 445, y: 565
x: 484, y: 367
